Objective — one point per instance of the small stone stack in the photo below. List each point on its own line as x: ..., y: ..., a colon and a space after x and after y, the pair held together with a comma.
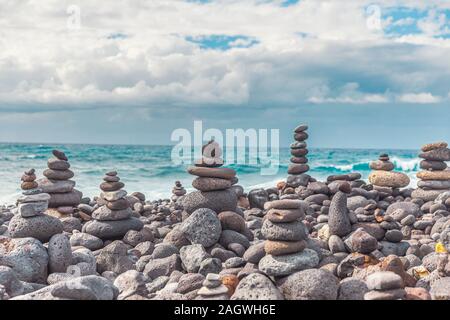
x: 299, y: 151
x: 385, y: 285
x: 34, y: 202
x: 213, y: 289
x: 383, y: 178
x: 178, y: 191
x: 57, y: 183
x: 213, y: 183
x: 286, y: 239
x: 113, y: 218
x: 435, y: 176
x: 31, y: 220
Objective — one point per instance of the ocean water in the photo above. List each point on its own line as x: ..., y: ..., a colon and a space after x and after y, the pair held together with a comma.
x: 149, y: 169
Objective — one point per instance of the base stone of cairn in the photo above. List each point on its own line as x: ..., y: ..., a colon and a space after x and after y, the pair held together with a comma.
x: 286, y: 239
x: 178, y: 191
x: 213, y: 183
x: 63, y: 195
x: 435, y: 175
x: 112, y: 219
x: 31, y: 220
x: 299, y: 164
x: 383, y: 177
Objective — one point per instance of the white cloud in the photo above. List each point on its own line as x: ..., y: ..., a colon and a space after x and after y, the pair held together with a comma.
x: 422, y: 98
x: 314, y: 51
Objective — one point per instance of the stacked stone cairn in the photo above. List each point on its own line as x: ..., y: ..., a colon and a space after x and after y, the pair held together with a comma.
x: 384, y: 179
x: 31, y: 220
x: 299, y: 164
x: 178, y: 191
x: 299, y: 151
x: 286, y: 239
x: 385, y: 285
x: 213, y: 289
x: 435, y: 176
x: 112, y: 219
x: 213, y: 183
x: 57, y: 183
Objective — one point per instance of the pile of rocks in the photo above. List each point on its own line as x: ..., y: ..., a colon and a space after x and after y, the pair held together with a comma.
x: 299, y: 151
x: 213, y: 183
x: 385, y: 285
x: 113, y: 218
x: 383, y: 177
x: 178, y: 191
x: 286, y: 236
x: 435, y: 177
x: 213, y: 289
x: 57, y: 183
x: 31, y: 220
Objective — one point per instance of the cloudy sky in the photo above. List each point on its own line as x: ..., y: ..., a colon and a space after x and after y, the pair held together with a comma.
x: 361, y: 73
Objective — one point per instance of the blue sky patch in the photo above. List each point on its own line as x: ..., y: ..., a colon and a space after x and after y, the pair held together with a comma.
x: 222, y: 42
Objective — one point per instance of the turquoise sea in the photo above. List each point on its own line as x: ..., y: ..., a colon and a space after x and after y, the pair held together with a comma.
x: 149, y: 169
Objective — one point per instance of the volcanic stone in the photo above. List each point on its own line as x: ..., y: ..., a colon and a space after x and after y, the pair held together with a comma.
x: 389, y: 179
x: 105, y: 214
x: 288, y: 264
x: 111, y: 186
x: 211, y: 184
x: 338, y: 219
x: 284, y: 215
x: 218, y: 201
x: 223, y: 173
x: 202, y: 227
x: 278, y: 248
x: 434, y: 175
x: 441, y: 154
x: 112, y: 229
x: 290, y: 231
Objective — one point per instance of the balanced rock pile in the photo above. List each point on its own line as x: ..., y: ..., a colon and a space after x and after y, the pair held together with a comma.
x: 113, y: 218
x: 435, y: 177
x: 213, y: 289
x: 383, y: 177
x: 286, y: 236
x: 178, y: 191
x: 213, y: 183
x: 385, y: 285
x: 57, y: 183
x: 31, y: 220
x: 299, y: 151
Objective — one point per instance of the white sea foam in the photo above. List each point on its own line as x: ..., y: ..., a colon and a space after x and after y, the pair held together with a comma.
x: 406, y: 165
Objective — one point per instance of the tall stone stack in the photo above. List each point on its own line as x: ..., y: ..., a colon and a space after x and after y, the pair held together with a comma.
x: 113, y: 218
x: 177, y: 191
x: 299, y: 151
x: 286, y: 239
x: 435, y: 175
x: 212, y: 181
x: 31, y: 220
x: 384, y: 178
x: 63, y: 195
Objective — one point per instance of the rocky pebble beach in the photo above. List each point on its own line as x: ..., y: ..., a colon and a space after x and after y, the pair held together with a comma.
x: 339, y: 239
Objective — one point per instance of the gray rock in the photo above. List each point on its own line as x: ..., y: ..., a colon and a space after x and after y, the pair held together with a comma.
x: 394, y: 235
x: 363, y: 242
x: 70, y: 224
x: 357, y: 202
x: 338, y: 219
x: 86, y: 240
x: 202, y: 227
x: 55, y: 186
x: 8, y: 279
x: 40, y: 227
x: 352, y: 289
x: 288, y: 264
x: 111, y: 230
x: 131, y: 282
x: 114, y: 258
x: 384, y: 280
x: 103, y: 213
x: 398, y: 249
x: 335, y: 244
x: 409, y: 208
x: 190, y: 282
x: 218, y: 201
x: 229, y: 236
x: 164, y: 250
x: 256, y: 286
x: 440, y: 289
x: 82, y: 288
x: 257, y: 198
x: 192, y: 256
x: 210, y: 265
x: 255, y: 253
x: 162, y: 267
x: 133, y: 237
x: 312, y: 284
x: 71, y: 199
x: 289, y: 231
x: 27, y: 257
x: 59, y: 253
